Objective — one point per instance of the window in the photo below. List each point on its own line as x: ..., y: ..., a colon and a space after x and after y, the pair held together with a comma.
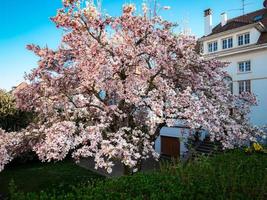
x: 224, y: 44
x: 227, y: 43
x: 240, y: 40
x: 248, y: 86
x: 248, y: 66
x: 230, y: 42
x: 229, y: 82
x: 244, y: 66
x: 213, y: 46
x: 210, y: 47
x: 244, y: 86
x: 247, y: 38
x: 258, y: 18
x: 241, y: 67
x: 243, y: 39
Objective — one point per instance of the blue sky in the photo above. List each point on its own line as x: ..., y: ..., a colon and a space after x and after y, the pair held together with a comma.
x: 27, y: 21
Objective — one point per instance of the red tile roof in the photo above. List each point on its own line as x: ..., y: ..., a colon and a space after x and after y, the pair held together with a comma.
x: 245, y: 20
x: 19, y: 87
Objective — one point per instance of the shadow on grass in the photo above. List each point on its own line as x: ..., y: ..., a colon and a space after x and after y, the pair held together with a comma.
x: 36, y: 177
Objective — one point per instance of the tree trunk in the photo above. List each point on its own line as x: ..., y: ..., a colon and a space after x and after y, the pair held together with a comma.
x: 126, y: 170
x: 139, y: 165
x: 157, y: 132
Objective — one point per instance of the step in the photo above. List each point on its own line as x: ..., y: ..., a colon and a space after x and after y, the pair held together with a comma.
x: 204, y: 151
x: 207, y: 144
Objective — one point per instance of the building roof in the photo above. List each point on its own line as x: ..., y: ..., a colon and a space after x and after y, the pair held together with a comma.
x: 19, y: 87
x: 250, y: 18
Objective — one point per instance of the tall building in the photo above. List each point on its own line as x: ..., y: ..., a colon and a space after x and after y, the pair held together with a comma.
x: 241, y: 41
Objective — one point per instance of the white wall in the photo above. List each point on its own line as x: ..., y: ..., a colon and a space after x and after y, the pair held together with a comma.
x: 254, y: 36
x: 181, y: 133
x: 259, y: 113
x: 258, y: 77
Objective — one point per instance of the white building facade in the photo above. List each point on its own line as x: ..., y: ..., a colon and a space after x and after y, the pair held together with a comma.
x: 242, y: 42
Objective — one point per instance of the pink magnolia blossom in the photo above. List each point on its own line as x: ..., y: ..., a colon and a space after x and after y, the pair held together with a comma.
x: 114, y: 82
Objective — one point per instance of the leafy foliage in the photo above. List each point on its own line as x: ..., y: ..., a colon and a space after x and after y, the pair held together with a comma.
x: 256, y: 147
x: 233, y: 175
x: 11, y: 118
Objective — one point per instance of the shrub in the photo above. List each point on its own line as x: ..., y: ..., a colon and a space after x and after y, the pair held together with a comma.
x: 256, y: 147
x: 232, y: 175
x: 11, y: 118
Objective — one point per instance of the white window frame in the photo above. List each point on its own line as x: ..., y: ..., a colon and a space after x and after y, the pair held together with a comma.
x: 246, y: 64
x: 224, y: 43
x: 244, y: 86
x: 245, y: 40
x: 211, y: 46
x: 227, y: 40
x: 232, y: 42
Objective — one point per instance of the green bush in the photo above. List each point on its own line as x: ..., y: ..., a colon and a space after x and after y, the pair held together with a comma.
x: 232, y: 175
x: 11, y: 118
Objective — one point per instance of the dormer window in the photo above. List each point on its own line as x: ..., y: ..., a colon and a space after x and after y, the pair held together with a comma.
x: 247, y: 38
x: 227, y: 43
x: 243, y: 39
x: 258, y: 18
x: 212, y: 46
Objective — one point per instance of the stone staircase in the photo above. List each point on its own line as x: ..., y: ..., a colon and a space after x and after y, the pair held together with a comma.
x: 206, y: 148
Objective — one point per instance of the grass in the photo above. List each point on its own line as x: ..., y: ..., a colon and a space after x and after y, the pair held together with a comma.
x: 233, y: 175
x: 34, y: 177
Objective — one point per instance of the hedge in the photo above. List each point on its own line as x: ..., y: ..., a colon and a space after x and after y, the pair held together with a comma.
x: 233, y: 175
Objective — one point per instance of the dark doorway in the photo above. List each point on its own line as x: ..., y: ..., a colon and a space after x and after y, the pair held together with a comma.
x: 170, y: 146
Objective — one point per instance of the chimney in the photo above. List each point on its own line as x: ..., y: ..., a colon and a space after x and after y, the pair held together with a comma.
x: 208, y: 21
x: 223, y: 19
x: 265, y: 3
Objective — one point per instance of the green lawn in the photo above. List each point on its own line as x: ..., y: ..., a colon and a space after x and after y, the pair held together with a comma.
x: 34, y: 177
x: 233, y: 175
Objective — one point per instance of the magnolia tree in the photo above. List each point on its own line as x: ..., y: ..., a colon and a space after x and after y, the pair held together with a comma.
x: 114, y: 82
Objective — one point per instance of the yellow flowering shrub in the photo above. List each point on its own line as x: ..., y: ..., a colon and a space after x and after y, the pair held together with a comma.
x: 256, y: 147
